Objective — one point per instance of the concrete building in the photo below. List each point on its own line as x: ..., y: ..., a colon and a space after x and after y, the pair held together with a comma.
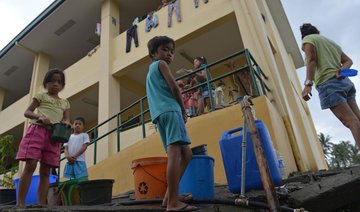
x: 87, y: 38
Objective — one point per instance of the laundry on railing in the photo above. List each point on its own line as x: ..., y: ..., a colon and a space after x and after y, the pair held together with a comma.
x: 131, y: 33
x: 151, y: 21
x: 174, y: 5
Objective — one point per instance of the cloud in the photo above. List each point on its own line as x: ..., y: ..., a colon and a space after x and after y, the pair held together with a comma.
x: 15, y: 15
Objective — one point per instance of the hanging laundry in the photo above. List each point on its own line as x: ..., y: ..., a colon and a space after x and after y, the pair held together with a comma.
x: 138, y: 19
x: 174, y: 5
x: 98, y: 29
x: 151, y: 21
x: 196, y: 2
x: 131, y: 33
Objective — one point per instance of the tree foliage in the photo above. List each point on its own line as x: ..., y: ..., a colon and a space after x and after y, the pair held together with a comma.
x: 340, y: 154
x: 326, y: 145
x: 7, y: 167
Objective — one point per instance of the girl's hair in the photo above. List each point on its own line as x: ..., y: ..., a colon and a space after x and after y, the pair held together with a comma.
x: 51, y: 73
x: 202, y: 59
x: 80, y: 119
x: 157, y: 41
x: 308, y: 29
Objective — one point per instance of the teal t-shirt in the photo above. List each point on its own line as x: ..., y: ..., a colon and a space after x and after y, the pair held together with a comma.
x: 328, y: 55
x: 159, y: 95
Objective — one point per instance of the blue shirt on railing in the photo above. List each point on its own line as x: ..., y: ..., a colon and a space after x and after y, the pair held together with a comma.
x: 159, y: 95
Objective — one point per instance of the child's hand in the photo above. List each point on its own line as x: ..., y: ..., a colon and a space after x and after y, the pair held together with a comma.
x: 71, y: 159
x: 66, y: 122
x: 44, y: 120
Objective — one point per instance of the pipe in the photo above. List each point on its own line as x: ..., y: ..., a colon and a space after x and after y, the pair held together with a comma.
x: 8, y: 203
x: 268, y: 186
x: 236, y: 202
x: 243, y: 161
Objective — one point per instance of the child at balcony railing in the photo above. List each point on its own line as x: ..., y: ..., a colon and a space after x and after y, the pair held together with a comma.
x: 204, y: 94
x: 75, y: 151
x: 220, y: 96
x: 37, y: 144
x: 168, y: 112
x: 189, y: 99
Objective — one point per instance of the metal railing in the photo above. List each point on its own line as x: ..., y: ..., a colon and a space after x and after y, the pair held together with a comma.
x: 257, y: 77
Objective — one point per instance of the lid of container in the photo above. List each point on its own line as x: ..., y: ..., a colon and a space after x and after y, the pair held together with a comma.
x: 348, y: 72
x: 148, y: 161
x: 96, y: 181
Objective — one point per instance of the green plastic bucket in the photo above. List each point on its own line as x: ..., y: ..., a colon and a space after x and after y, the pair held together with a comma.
x: 61, y: 132
x: 69, y: 191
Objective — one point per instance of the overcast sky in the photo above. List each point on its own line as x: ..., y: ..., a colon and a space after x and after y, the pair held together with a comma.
x: 336, y: 19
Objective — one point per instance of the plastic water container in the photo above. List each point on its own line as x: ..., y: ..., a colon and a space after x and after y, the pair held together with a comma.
x: 231, y: 151
x: 198, y: 178
x: 348, y: 72
x: 31, y: 197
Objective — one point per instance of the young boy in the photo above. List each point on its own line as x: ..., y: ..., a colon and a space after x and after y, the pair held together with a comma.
x: 220, y: 96
x: 168, y: 113
x: 75, y: 151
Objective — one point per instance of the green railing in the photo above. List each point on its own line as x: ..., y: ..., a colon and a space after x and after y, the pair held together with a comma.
x: 257, y: 77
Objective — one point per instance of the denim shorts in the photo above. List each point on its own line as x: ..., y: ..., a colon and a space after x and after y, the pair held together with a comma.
x: 336, y: 91
x: 75, y: 170
x: 172, y: 129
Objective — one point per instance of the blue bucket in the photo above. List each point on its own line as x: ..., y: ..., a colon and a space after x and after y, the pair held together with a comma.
x: 231, y: 151
x: 31, y: 197
x: 198, y: 178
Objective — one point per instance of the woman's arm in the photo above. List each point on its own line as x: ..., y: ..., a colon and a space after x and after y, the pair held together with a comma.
x: 310, y: 70
x: 345, y: 61
x: 311, y: 59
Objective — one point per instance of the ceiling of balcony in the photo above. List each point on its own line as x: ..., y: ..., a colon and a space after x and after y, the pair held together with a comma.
x: 65, y: 36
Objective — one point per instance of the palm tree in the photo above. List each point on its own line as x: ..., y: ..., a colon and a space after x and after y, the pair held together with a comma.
x: 355, y: 154
x: 341, y: 154
x: 326, y: 145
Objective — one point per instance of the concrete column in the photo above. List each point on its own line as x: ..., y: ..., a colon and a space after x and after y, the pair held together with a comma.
x: 41, y: 66
x: 2, y: 97
x: 109, y: 87
x: 254, y: 35
x: 301, y: 118
x: 254, y: 38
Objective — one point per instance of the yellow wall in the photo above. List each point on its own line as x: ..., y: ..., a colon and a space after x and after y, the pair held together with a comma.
x: 192, y: 19
x: 14, y: 115
x: 206, y: 129
x: 81, y: 75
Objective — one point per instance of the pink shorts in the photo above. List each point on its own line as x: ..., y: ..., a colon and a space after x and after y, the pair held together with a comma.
x: 38, y: 145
